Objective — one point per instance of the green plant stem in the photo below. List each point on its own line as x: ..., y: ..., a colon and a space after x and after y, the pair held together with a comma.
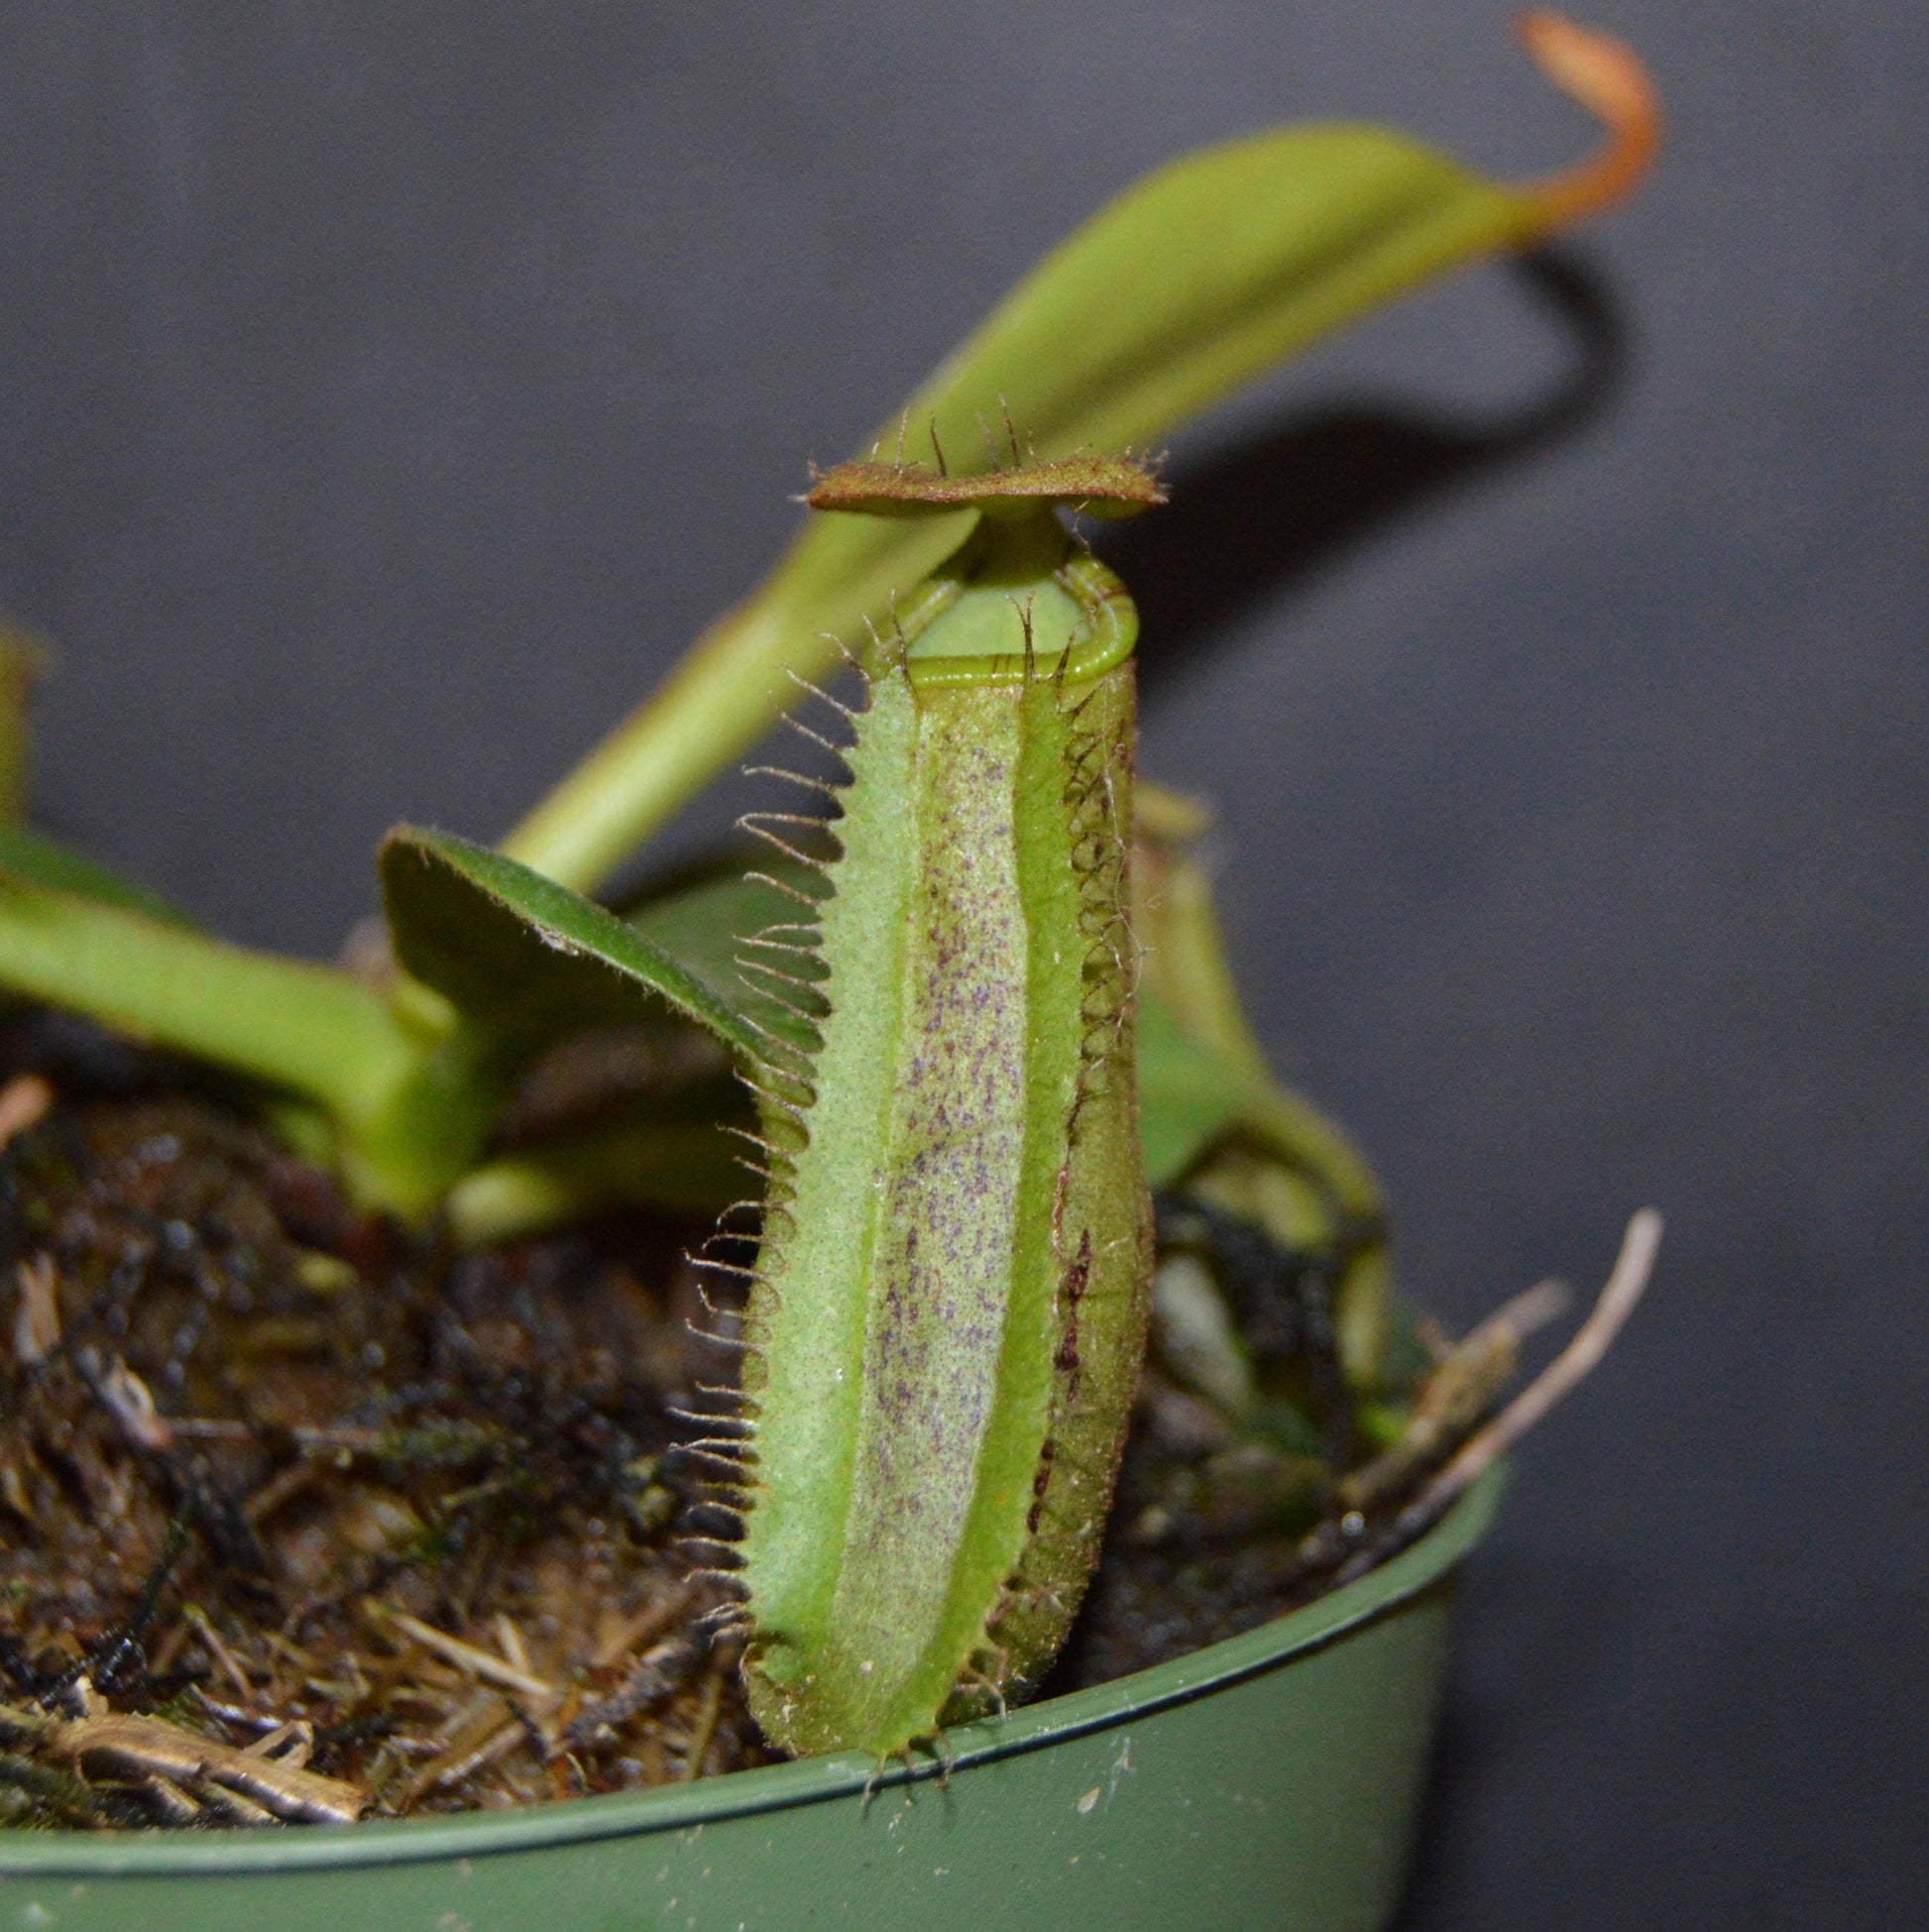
x: 394, y: 1085
x: 728, y: 691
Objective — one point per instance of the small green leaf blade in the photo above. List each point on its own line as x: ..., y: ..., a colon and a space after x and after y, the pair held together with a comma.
x: 29, y: 854
x: 526, y: 959
x: 707, y: 925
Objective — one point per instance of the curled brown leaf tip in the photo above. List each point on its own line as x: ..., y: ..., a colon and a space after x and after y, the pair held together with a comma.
x: 1606, y: 76
x: 1096, y: 486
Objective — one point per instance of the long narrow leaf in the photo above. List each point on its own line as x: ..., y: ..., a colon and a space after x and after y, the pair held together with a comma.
x: 1193, y: 282
x: 29, y: 854
x: 308, y: 1028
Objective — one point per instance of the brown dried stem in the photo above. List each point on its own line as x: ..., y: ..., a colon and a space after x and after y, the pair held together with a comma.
x: 1572, y: 1366
x: 1606, y: 76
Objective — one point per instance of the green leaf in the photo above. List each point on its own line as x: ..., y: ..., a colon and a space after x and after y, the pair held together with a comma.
x: 1193, y: 282
x: 528, y: 960
x: 1187, y: 1098
x: 406, y: 1103
x: 33, y: 855
x: 308, y: 1028
x: 704, y: 923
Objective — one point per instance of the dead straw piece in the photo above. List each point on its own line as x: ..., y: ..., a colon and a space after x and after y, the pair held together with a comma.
x: 1455, y: 1396
x: 23, y: 1103
x: 151, y: 1747
x: 634, y: 1631
x: 465, y: 1656
x: 36, y: 1314
x: 1572, y: 1366
x: 704, y: 1728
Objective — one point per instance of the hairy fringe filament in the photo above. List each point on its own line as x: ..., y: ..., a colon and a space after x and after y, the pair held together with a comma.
x: 790, y: 891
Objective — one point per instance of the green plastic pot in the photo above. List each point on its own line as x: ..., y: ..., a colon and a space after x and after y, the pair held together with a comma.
x: 1270, y: 1781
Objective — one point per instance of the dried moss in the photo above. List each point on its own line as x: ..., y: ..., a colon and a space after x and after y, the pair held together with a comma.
x: 297, y: 1486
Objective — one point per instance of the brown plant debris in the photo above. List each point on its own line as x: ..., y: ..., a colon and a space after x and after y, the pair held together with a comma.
x: 304, y: 1519
x: 282, y: 1542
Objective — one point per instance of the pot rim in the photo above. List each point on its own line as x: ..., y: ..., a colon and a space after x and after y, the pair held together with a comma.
x: 769, y: 1787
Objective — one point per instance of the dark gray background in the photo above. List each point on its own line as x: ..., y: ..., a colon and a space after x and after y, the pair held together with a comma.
x: 388, y: 393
